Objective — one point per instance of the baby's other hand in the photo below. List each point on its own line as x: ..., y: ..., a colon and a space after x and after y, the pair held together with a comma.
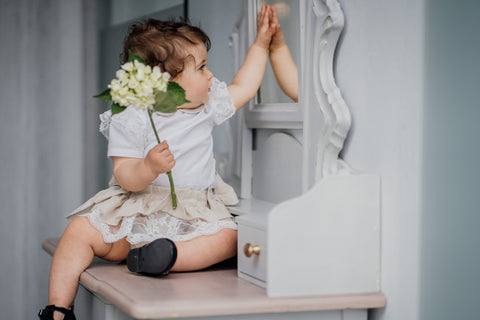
x: 277, y: 38
x: 265, y: 27
x: 159, y: 159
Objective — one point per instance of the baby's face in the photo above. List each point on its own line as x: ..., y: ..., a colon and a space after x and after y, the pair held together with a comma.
x: 195, y: 78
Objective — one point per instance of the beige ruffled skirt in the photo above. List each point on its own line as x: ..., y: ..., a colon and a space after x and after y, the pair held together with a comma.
x: 147, y: 215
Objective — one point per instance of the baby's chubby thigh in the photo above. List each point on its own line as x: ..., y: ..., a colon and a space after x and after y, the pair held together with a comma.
x: 81, y: 233
x: 204, y: 251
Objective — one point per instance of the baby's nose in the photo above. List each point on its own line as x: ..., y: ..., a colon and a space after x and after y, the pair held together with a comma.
x: 210, y: 74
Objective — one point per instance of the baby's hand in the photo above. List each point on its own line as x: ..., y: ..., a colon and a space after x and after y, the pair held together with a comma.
x: 159, y: 159
x: 265, y: 27
x: 277, y: 38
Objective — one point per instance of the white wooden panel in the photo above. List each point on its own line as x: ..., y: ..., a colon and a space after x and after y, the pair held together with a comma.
x: 277, y: 168
x: 328, y: 240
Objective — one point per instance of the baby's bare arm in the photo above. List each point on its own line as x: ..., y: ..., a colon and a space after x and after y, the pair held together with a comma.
x: 284, y: 67
x: 248, y: 78
x: 136, y: 174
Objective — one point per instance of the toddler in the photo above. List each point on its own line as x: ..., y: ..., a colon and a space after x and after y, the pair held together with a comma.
x: 133, y: 219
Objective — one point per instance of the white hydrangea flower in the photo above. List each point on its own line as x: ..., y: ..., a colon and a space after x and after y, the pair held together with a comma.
x: 127, y: 66
x: 136, y: 83
x: 166, y: 76
x: 156, y: 73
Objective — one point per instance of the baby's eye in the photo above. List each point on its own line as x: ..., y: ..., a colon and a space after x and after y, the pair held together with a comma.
x: 203, y: 66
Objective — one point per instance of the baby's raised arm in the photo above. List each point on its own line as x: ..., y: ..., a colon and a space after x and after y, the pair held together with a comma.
x: 136, y: 174
x: 249, y: 77
x: 284, y: 67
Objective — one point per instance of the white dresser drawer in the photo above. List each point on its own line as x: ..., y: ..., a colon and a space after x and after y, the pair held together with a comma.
x: 252, y: 232
x: 252, y: 258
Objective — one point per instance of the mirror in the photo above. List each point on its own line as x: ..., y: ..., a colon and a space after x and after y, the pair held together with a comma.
x: 272, y: 108
x: 287, y: 13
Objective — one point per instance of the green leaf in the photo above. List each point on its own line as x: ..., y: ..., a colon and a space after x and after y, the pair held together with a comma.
x: 116, y: 108
x: 177, y: 93
x: 164, y: 103
x: 105, y: 96
x: 132, y: 57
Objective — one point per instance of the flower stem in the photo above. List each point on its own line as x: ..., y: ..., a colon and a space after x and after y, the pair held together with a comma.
x: 169, y: 173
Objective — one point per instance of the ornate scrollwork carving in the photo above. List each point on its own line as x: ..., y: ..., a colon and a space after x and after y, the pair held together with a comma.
x: 325, y: 23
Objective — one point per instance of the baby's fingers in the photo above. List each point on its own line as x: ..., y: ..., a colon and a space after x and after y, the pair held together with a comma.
x: 262, y: 18
x: 273, y: 15
x: 162, y: 146
x: 273, y: 18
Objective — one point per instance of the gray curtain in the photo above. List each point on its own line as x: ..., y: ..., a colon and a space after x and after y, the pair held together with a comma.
x: 48, y: 137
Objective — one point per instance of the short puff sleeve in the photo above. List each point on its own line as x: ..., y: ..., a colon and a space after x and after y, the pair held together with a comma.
x: 125, y: 132
x: 221, y: 101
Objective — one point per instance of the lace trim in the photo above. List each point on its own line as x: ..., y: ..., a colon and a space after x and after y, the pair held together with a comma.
x: 105, y: 120
x: 110, y: 233
x: 222, y: 101
x: 143, y: 229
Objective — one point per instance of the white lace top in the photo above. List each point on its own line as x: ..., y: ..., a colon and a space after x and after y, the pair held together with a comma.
x: 187, y: 132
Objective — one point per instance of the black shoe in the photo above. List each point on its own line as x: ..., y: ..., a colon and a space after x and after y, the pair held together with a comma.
x: 47, y: 313
x: 153, y: 259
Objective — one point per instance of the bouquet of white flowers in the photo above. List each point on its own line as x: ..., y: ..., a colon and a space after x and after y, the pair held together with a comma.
x: 146, y: 88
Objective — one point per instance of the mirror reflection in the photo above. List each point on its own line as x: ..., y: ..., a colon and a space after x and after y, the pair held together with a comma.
x: 281, y: 71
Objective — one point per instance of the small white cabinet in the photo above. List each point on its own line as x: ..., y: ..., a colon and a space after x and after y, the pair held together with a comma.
x: 326, y: 241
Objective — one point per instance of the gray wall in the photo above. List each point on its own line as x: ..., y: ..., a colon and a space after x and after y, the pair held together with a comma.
x: 450, y: 260
x: 379, y: 69
x: 41, y: 143
x: 409, y: 72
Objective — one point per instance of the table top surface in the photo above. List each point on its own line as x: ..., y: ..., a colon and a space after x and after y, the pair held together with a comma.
x: 212, y: 292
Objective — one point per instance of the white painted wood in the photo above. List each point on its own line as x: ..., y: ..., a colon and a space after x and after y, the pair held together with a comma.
x: 92, y: 307
x: 355, y: 314
x: 327, y: 118
x: 246, y: 206
x: 243, y: 135
x: 276, y: 171
x: 326, y: 240
x: 254, y: 265
x: 89, y: 305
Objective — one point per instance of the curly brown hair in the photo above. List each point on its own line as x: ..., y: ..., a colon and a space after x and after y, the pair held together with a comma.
x: 163, y: 43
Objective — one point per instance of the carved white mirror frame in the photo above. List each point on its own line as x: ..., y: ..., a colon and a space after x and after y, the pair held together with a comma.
x: 327, y: 118
x: 321, y: 110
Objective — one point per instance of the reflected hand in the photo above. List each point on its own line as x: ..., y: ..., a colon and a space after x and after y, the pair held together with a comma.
x: 265, y: 27
x: 278, y: 40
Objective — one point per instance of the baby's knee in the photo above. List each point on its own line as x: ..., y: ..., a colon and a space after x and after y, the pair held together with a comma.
x: 80, y: 227
x: 229, y: 235
x: 226, y: 240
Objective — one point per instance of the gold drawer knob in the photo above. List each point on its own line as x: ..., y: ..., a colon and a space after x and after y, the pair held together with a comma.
x: 249, y: 249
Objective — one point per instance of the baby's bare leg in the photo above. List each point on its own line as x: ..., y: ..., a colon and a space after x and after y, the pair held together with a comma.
x: 79, y: 244
x: 204, y: 251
